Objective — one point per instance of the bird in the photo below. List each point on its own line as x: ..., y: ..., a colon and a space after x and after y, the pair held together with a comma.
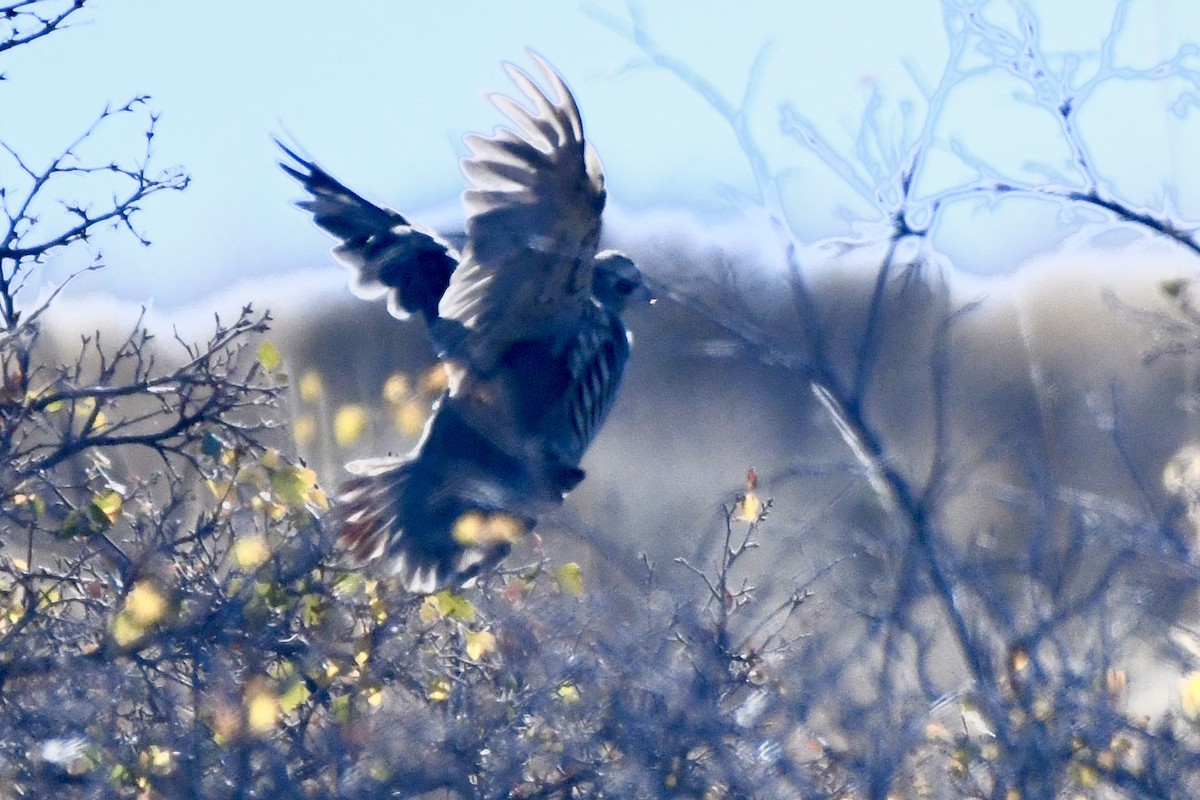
x: 526, y: 319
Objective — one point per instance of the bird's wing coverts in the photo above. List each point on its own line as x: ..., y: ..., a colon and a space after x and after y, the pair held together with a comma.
x: 533, y: 208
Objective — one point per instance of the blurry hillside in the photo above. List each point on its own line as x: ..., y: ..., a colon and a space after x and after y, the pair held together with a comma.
x: 1048, y: 402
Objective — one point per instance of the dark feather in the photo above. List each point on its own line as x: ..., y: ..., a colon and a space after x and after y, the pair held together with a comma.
x: 387, y: 253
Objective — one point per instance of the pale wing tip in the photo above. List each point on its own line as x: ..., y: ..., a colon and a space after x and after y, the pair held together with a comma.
x: 558, y: 110
x: 564, y: 99
x: 536, y: 129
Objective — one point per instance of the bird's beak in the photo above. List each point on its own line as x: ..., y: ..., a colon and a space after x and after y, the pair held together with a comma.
x: 642, y: 296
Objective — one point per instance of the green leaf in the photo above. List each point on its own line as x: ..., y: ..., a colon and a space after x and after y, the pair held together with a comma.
x: 453, y: 606
x: 339, y: 707
x: 293, y: 485
x: 75, y: 524
x: 570, y: 578
x: 269, y: 357
x: 106, y: 508
x: 349, y: 584
x: 293, y: 696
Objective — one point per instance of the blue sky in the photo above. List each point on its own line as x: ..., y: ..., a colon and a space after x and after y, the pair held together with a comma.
x: 380, y: 92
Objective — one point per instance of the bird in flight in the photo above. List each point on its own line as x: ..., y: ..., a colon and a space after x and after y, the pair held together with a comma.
x: 526, y: 320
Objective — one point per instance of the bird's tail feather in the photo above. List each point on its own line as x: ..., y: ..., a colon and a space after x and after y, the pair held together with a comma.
x: 386, y: 513
x: 368, y: 507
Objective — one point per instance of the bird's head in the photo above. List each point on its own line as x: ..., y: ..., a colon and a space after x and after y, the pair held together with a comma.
x: 617, y: 282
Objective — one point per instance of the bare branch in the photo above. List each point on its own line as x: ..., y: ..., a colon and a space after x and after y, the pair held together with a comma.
x: 23, y: 240
x: 23, y: 21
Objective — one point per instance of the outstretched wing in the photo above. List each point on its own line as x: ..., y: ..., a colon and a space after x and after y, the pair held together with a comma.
x: 533, y: 221
x: 388, y: 254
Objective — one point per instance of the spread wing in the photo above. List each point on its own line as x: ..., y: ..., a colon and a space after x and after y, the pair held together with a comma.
x: 388, y: 254
x: 533, y: 221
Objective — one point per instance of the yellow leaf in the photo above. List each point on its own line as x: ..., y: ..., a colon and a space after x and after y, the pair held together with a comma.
x: 293, y: 485
x: 429, y: 610
x: 410, y: 418
x: 159, y: 757
x: 569, y: 578
x: 468, y: 528
x: 145, y: 604
x: 155, y: 758
x: 281, y: 670
x: 749, y: 508
x: 349, y: 424
x: 268, y: 356
x: 312, y: 609
x: 311, y: 386
x: 396, y: 388
x: 340, y: 708
x: 479, y: 644
x: 293, y: 696
x: 1189, y: 694
x: 478, y: 528
x: 250, y: 552
x: 125, y: 631
x: 304, y: 429
x: 434, y: 380
x: 29, y: 499
x: 439, y: 690
x: 503, y: 527
x: 568, y: 693
x: 378, y: 610
x: 107, y: 506
x: 347, y: 584
x: 375, y: 696
x: 1018, y: 659
x: 262, y: 708
x: 452, y: 606
x: 271, y: 459
x: 317, y: 497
